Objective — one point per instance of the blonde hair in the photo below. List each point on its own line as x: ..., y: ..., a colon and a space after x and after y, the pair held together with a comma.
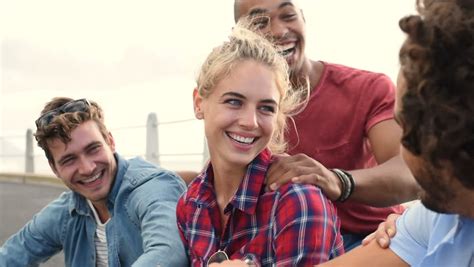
x: 245, y: 44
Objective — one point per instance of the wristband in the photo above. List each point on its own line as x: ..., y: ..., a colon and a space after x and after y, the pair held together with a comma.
x: 347, y: 182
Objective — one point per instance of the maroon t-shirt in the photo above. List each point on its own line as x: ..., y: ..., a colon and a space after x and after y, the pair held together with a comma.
x: 333, y: 129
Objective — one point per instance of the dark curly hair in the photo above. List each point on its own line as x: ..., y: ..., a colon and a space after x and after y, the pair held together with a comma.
x: 62, y: 125
x: 437, y: 62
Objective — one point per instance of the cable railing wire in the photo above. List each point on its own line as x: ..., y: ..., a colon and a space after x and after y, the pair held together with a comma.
x: 29, y: 152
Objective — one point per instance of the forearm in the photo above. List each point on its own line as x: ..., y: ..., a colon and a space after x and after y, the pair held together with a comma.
x: 27, y: 248
x: 155, y: 205
x: 387, y: 184
x: 370, y: 255
x: 161, y: 241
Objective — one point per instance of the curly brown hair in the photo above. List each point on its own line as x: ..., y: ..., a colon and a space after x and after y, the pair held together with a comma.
x: 437, y: 109
x: 63, y: 124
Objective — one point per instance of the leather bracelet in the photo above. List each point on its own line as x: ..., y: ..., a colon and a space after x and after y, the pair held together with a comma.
x: 347, y: 182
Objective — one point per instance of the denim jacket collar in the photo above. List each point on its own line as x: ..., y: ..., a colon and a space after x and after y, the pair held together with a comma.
x: 79, y: 204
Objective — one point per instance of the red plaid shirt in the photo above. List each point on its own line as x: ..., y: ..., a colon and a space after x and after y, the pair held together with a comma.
x: 295, y: 225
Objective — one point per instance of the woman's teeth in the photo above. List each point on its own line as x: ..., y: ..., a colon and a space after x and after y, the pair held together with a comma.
x: 241, y: 139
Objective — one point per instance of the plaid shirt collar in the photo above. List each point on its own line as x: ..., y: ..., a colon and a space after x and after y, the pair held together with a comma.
x: 246, y: 197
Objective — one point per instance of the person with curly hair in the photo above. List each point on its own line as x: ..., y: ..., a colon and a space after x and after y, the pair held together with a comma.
x: 435, y: 108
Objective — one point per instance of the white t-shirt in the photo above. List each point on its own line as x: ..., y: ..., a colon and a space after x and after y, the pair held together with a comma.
x: 100, y: 240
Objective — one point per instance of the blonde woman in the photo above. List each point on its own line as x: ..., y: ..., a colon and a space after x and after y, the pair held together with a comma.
x: 243, y: 96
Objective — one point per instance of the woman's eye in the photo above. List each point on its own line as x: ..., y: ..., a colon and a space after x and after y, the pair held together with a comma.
x: 233, y: 102
x: 269, y: 109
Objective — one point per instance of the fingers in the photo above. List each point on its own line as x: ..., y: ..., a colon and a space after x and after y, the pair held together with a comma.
x: 298, y: 168
x: 306, y: 179
x: 295, y: 177
x: 368, y: 239
x: 384, y: 232
x: 380, y: 235
x: 279, y: 167
x: 391, y: 224
x: 327, y: 182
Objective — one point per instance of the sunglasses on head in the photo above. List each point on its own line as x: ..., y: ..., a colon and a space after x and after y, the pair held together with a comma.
x: 71, y: 106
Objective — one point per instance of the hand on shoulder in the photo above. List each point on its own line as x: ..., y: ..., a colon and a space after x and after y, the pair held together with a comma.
x: 301, y: 168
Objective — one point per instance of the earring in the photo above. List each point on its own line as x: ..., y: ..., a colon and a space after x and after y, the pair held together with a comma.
x: 199, y: 115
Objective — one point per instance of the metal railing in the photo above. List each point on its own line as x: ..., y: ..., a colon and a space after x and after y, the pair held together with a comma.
x: 151, y: 153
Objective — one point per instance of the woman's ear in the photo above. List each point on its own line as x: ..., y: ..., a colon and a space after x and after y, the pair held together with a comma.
x: 197, y: 103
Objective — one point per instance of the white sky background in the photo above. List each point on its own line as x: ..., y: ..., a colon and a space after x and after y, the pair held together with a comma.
x: 137, y: 57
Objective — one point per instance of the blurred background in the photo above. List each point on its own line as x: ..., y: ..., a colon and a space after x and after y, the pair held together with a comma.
x: 140, y: 57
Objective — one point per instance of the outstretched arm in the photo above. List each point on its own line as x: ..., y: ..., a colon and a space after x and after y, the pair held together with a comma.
x: 370, y: 255
x: 156, y: 210
x: 391, y: 175
x: 371, y: 185
x: 39, y: 239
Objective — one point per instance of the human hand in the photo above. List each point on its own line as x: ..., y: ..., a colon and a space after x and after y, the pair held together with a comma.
x: 301, y: 168
x: 384, y: 232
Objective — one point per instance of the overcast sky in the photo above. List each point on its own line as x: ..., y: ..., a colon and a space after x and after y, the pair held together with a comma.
x: 137, y: 57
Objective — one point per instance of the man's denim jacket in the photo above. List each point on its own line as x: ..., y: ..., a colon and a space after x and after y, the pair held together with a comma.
x: 142, y: 230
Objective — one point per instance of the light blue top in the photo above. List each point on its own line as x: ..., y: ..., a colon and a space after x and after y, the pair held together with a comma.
x: 142, y: 230
x: 427, y: 238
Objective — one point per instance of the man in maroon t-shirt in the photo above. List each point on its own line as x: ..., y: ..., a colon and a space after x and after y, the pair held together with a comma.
x: 348, y: 124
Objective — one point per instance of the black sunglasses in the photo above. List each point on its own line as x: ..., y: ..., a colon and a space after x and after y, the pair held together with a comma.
x: 71, y: 106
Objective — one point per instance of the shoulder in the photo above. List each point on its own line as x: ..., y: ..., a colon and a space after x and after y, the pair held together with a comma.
x: 305, y: 208
x: 54, y: 217
x: 305, y: 196
x: 289, y: 189
x: 347, y: 70
x: 145, y: 183
x: 418, y: 219
x: 141, y: 171
x: 414, y: 228
x: 344, y: 74
x: 62, y: 205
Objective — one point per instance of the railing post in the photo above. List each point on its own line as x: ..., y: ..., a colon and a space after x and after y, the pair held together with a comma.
x: 152, y: 151
x: 205, y: 152
x: 29, y: 155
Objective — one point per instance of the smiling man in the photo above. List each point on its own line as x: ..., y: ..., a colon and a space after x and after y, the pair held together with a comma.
x: 346, y: 140
x: 118, y: 213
